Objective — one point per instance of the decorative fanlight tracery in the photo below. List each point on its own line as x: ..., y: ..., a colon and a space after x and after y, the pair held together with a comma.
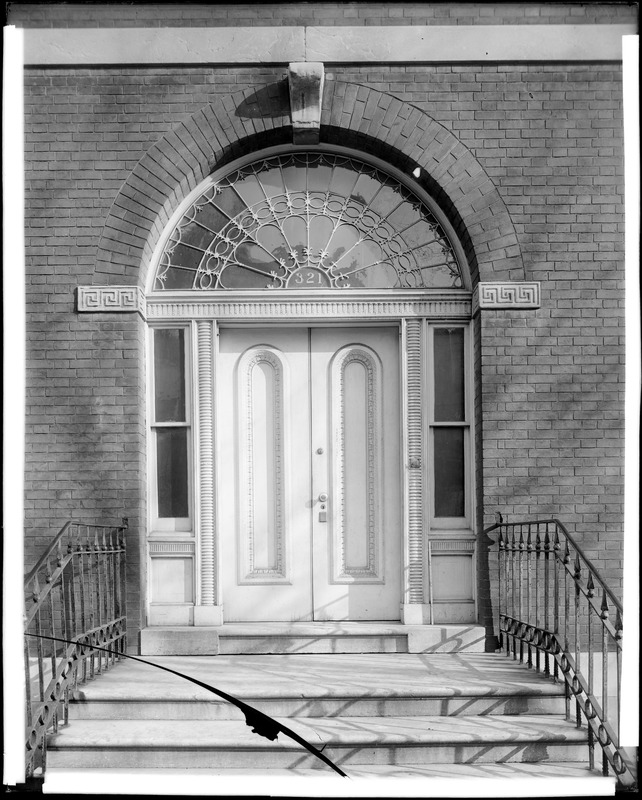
x: 307, y: 220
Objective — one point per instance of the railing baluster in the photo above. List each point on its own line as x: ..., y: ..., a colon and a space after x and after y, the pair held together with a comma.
x: 52, y: 618
x: 117, y: 589
x: 577, y: 574
x: 29, y: 701
x: 502, y: 586
x: 71, y: 595
x: 538, y: 610
x: 557, y: 622
x: 529, y: 613
x: 106, y: 539
x: 99, y: 592
x: 520, y: 592
x: 40, y: 651
x: 590, y: 593
x: 618, y: 666
x: 93, y: 618
x: 82, y: 667
x: 513, y: 610
x: 122, y: 580
x: 547, y: 626
x: 564, y: 618
x: 567, y: 600
x: 605, y: 673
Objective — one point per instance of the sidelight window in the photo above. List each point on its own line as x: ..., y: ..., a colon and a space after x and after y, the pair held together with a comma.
x: 449, y: 427
x: 170, y: 430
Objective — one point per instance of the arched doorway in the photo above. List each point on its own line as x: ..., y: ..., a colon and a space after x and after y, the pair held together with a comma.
x: 310, y: 408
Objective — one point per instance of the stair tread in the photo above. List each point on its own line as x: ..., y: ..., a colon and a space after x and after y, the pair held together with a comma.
x: 322, y: 676
x: 332, y: 628
x: 204, y: 734
x: 505, y: 769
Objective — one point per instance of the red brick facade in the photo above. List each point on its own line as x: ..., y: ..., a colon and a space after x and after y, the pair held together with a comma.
x: 525, y: 160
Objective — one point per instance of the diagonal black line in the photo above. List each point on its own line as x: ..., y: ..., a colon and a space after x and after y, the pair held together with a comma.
x: 260, y: 723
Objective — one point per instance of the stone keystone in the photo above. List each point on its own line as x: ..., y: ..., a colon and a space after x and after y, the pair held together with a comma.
x: 305, y: 80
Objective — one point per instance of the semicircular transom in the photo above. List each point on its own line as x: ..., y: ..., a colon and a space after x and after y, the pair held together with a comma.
x: 307, y: 220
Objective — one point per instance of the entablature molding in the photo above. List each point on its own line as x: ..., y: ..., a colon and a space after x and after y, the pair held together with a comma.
x: 456, y: 304
x: 291, y: 305
x: 494, y: 295
x: 330, y: 44
x: 373, y: 307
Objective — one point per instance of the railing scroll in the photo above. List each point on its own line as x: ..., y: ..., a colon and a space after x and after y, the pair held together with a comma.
x: 557, y: 614
x: 76, y: 591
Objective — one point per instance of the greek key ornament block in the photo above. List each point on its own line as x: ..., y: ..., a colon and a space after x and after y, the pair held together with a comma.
x: 111, y: 298
x: 506, y: 295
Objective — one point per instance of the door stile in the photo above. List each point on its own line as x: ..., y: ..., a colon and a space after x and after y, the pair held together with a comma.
x: 320, y: 450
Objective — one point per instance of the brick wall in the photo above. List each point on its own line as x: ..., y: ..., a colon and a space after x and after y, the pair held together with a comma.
x: 551, y: 389
x: 553, y: 379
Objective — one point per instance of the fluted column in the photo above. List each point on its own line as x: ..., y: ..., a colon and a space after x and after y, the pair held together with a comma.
x: 206, y: 612
x: 414, y: 394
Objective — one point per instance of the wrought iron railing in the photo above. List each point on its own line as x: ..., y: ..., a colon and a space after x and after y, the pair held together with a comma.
x: 557, y: 614
x: 76, y: 591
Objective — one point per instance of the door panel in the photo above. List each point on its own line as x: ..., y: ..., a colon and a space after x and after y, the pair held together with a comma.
x: 264, y: 474
x: 310, y: 487
x: 357, y: 552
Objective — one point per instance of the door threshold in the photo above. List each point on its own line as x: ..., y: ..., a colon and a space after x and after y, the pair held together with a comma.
x: 312, y: 637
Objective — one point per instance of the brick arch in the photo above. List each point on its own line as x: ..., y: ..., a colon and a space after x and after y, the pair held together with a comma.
x: 352, y: 115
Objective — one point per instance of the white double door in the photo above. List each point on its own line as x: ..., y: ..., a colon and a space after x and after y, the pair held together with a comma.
x: 309, y: 482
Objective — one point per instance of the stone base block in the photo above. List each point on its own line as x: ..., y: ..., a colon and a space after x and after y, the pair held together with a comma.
x: 447, y: 639
x: 208, y: 616
x: 187, y: 641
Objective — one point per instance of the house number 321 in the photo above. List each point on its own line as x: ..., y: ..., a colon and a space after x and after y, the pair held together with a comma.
x: 309, y: 278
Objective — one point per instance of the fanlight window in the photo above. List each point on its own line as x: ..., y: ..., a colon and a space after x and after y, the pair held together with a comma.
x: 307, y: 221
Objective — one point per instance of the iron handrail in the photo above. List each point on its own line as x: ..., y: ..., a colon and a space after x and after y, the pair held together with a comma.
x: 58, y: 538
x: 75, y: 591
x: 549, y: 608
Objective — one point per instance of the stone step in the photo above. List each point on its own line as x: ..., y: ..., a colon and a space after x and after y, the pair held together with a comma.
x: 354, y: 741
x: 508, y: 779
x: 312, y: 637
x: 347, y: 706
x: 319, y: 686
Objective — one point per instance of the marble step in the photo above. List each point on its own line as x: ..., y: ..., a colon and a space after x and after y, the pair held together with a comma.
x: 352, y: 741
x: 507, y: 779
x: 347, y: 706
x: 320, y: 686
x: 312, y: 637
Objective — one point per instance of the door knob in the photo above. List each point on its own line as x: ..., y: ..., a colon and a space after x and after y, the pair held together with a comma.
x: 323, y: 514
